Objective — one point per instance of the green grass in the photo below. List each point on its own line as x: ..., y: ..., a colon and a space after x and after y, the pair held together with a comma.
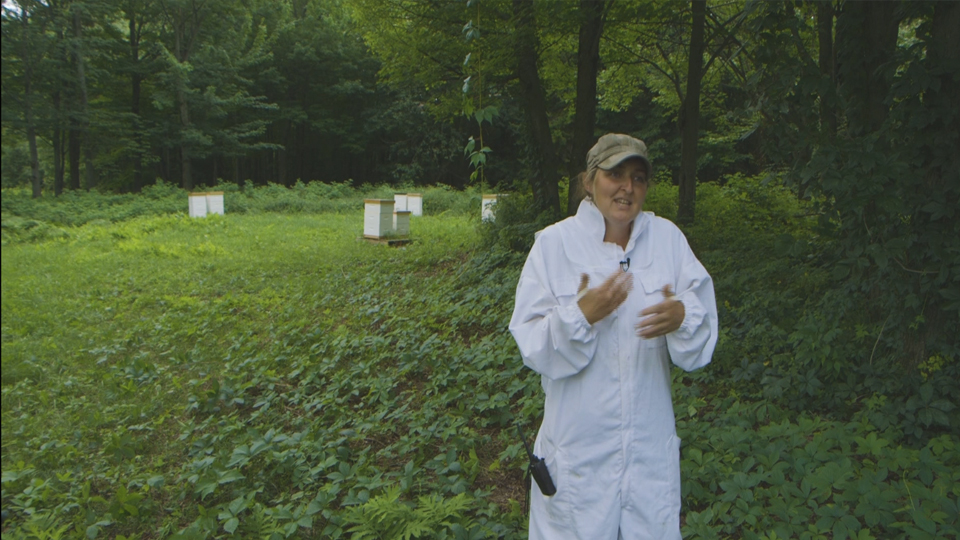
x: 271, y: 375
x: 26, y: 218
x: 122, y: 343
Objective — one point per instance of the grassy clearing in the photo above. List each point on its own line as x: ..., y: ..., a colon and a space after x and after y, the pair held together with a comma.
x: 269, y: 375
x: 123, y: 343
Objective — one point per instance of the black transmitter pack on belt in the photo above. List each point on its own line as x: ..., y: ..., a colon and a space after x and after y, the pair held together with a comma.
x: 538, y: 469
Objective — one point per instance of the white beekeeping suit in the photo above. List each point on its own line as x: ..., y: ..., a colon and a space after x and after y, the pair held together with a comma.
x: 608, y: 433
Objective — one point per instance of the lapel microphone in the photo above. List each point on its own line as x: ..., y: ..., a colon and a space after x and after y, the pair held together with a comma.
x: 625, y: 264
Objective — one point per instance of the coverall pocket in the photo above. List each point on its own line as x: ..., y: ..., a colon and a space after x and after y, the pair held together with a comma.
x: 567, y: 293
x: 568, y: 286
x: 559, y: 505
x: 652, y: 283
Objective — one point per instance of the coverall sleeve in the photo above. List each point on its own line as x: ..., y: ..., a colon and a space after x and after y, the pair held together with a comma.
x: 691, y: 346
x: 554, y: 337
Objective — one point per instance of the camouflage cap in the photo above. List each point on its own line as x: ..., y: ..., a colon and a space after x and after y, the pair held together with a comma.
x: 613, y: 149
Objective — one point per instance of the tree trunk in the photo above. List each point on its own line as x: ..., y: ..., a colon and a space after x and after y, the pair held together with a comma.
x: 944, y: 57
x: 690, y: 117
x: 546, y: 179
x: 585, y: 115
x: 57, y: 156
x: 186, y: 174
x: 73, y: 142
x: 59, y: 125
x: 828, y: 114
x: 165, y: 163
x: 135, y: 81
x: 866, y: 43
x: 35, y: 180
x: 301, y: 153
x: 90, y: 173
x: 186, y: 177
x: 57, y: 138
x: 946, y: 44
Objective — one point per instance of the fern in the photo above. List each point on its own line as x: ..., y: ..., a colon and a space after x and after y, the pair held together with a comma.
x: 386, y: 517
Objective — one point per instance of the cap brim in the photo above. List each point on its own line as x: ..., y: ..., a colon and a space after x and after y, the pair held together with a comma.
x: 620, y: 157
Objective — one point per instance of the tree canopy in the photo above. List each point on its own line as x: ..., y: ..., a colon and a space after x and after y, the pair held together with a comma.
x: 849, y: 104
x: 808, y: 150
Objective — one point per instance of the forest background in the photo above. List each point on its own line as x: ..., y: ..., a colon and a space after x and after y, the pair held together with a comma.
x: 809, y: 150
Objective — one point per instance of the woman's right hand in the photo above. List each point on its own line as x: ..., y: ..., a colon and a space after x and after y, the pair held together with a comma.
x: 599, y: 302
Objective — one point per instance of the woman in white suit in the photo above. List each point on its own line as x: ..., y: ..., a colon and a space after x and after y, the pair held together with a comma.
x: 606, y: 300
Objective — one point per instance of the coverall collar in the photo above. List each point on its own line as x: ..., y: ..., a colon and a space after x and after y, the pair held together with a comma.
x: 592, y: 222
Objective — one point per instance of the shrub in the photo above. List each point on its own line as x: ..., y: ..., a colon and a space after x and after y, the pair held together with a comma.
x: 74, y: 208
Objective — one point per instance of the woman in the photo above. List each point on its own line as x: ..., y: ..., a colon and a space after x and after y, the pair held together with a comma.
x: 597, y: 317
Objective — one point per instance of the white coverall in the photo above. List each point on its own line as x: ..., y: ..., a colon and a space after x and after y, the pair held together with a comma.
x: 608, y: 433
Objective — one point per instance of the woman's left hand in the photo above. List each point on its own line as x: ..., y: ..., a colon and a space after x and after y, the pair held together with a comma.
x: 665, y: 317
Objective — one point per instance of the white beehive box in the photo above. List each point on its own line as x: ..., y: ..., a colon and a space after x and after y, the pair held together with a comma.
x: 197, y: 204
x: 377, y: 218
x: 215, y: 202
x: 415, y: 204
x: 401, y: 223
x: 400, y: 202
x: 486, y: 207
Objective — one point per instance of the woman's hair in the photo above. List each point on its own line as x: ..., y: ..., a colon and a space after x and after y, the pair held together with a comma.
x: 586, y: 177
x: 581, y: 184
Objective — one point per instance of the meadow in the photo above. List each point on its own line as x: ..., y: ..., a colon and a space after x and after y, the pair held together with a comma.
x: 267, y: 374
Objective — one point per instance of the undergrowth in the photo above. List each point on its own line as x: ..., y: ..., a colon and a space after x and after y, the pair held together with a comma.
x: 267, y: 374
x: 26, y: 218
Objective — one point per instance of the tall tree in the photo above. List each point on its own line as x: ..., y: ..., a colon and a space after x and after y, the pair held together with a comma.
x: 22, y: 36
x: 60, y: 58
x: 546, y: 179
x: 867, y: 40
x: 585, y: 114
x: 138, y: 15
x: 213, y: 51
x: 887, y: 182
x: 690, y: 116
x: 185, y: 20
x: 28, y: 119
x: 527, y: 75
x: 827, y: 62
x: 661, y: 59
x: 77, y: 13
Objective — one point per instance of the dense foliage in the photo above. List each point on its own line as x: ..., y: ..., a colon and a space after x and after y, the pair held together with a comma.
x: 23, y: 213
x: 117, y: 95
x: 267, y: 374
x: 264, y: 373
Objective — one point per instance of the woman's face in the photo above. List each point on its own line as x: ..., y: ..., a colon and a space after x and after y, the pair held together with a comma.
x: 619, y: 193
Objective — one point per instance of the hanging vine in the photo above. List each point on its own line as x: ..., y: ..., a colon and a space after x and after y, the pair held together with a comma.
x: 475, y: 150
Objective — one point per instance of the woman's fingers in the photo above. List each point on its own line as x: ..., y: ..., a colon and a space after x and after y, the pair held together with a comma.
x: 599, y: 302
x: 653, y: 326
x: 618, y: 287
x: 662, y: 318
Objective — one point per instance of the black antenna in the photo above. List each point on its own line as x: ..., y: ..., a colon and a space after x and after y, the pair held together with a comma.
x: 538, y: 468
x: 524, y: 439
